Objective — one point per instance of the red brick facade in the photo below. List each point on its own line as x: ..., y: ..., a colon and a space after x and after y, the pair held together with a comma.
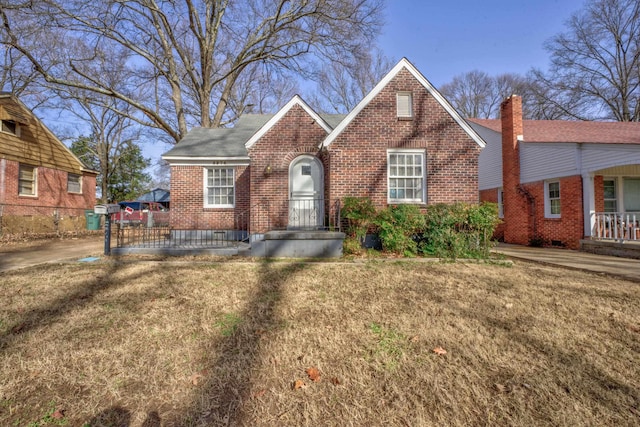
x: 354, y: 162
x: 524, y: 220
x: 359, y: 154
x: 51, y: 192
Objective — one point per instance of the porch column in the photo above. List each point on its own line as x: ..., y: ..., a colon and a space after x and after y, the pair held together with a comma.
x: 588, y: 203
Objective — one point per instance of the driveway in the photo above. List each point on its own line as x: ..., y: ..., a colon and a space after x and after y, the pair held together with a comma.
x: 20, y: 255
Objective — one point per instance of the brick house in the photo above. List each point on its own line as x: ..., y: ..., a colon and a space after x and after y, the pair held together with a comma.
x: 39, y: 175
x: 558, y: 182
x: 403, y: 143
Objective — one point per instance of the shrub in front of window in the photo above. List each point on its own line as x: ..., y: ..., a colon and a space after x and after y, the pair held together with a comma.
x: 459, y: 230
x: 398, y: 227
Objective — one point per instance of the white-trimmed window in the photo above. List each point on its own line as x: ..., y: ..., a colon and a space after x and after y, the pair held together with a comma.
x: 219, y: 187
x: 9, y: 126
x: 406, y: 176
x: 27, y: 183
x: 610, y: 195
x: 74, y: 183
x: 404, y: 104
x: 552, y: 199
x: 500, y: 203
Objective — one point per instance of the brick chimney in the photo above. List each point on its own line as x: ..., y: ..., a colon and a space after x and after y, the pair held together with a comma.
x: 516, y: 204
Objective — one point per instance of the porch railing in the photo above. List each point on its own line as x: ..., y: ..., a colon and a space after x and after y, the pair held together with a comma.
x: 304, y: 214
x: 616, y: 226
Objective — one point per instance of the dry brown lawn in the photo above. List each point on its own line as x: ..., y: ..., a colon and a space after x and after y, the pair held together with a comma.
x: 150, y: 343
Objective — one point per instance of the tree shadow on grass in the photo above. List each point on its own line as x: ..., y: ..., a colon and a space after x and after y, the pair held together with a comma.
x: 229, y: 381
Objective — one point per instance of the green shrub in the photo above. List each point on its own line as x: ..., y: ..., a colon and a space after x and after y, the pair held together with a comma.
x: 359, y: 213
x: 397, y: 228
x: 459, y: 230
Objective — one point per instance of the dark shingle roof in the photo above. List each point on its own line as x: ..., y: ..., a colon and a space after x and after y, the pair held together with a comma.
x: 228, y: 142
x: 219, y: 142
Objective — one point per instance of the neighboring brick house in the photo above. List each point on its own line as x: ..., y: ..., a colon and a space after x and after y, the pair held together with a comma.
x: 39, y: 175
x: 403, y: 143
x: 557, y: 182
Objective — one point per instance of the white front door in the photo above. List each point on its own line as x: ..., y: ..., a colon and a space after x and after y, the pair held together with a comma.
x: 306, y: 193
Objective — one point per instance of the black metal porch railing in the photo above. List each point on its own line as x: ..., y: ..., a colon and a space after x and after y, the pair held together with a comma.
x: 309, y: 214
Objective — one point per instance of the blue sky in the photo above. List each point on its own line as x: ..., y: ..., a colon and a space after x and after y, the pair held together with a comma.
x: 447, y: 38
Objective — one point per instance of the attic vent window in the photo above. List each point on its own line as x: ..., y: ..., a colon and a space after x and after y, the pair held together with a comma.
x: 404, y: 104
x: 9, y: 127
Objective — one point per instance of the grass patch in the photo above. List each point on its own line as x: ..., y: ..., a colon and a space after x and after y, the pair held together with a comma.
x: 154, y: 343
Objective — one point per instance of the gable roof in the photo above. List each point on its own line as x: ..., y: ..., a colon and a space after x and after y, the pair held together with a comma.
x: 212, y: 144
x: 557, y: 131
x: 218, y: 143
x: 296, y: 100
x: 34, y: 144
x: 404, y: 64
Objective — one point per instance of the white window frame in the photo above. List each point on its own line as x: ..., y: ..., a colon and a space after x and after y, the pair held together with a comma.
x: 404, y: 104
x: 548, y: 200
x: 500, y: 202
x: 33, y: 180
x: 15, y: 125
x: 615, y: 193
x: 390, y: 177
x: 70, y: 182
x: 208, y: 187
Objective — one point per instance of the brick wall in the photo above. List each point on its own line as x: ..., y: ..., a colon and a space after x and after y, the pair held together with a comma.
x: 569, y: 228
x: 187, y: 201
x: 51, y: 192
x: 598, y: 192
x: 295, y: 134
x: 358, y: 156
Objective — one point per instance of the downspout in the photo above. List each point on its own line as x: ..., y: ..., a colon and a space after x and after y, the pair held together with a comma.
x: 532, y: 209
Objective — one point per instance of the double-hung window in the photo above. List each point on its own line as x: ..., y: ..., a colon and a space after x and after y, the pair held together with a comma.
x: 74, y: 183
x: 552, y: 199
x: 27, y: 180
x: 219, y: 187
x: 500, y: 203
x: 406, y: 176
x: 610, y: 195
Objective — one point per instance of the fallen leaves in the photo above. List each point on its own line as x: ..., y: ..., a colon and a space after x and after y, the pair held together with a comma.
x: 313, y: 373
x: 298, y: 384
x: 440, y: 351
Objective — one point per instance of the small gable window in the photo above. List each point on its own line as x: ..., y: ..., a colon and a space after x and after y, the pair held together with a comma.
x: 404, y: 104
x: 9, y: 126
x: 74, y: 183
x: 219, y: 188
x: 26, y: 180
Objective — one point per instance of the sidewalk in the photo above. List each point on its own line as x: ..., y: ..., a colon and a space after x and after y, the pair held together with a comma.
x: 13, y: 257
x: 622, y: 267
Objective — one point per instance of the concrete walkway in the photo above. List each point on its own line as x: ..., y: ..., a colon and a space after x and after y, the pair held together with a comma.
x: 16, y: 256
x: 621, y: 267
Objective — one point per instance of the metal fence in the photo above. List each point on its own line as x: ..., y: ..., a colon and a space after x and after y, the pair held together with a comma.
x: 308, y: 214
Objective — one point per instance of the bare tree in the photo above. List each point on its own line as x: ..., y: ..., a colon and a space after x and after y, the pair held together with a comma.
x: 343, y: 84
x: 595, y: 64
x: 185, y: 58
x: 477, y: 95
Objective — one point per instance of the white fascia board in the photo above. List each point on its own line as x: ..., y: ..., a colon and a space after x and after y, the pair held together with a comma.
x: 404, y: 63
x: 296, y: 100
x: 206, y: 161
